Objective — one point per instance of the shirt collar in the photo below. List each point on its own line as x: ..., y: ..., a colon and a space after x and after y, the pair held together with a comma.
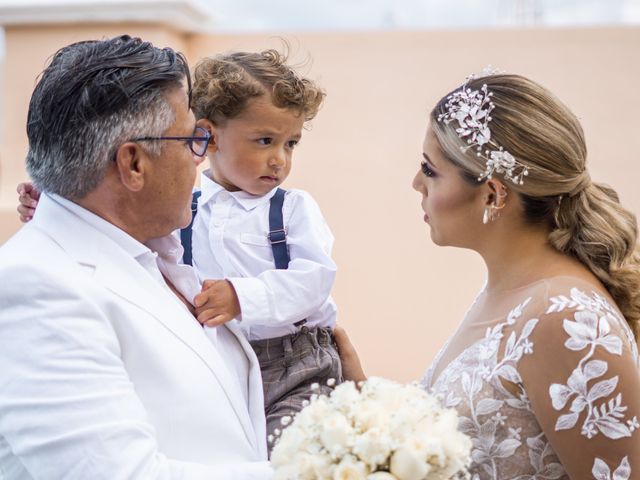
x: 167, y: 248
x: 210, y: 190
x: 208, y: 187
x: 125, y: 241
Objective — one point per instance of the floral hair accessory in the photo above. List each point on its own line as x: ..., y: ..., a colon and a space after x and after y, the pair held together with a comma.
x: 472, y: 110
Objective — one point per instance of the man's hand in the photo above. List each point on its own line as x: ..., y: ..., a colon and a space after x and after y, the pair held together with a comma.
x: 217, y: 303
x: 28, y: 197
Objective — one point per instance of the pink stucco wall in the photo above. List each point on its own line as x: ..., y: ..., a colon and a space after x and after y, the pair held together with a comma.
x: 399, y: 295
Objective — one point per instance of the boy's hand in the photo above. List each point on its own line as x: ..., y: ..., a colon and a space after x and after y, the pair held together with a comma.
x: 28, y: 197
x: 217, y: 303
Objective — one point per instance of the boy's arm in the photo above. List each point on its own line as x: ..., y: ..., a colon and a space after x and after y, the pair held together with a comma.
x: 283, y: 297
x: 28, y: 196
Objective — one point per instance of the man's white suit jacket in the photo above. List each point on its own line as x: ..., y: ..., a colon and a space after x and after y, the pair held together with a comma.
x: 105, y: 375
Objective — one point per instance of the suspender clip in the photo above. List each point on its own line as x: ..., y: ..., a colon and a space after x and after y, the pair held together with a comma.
x: 277, y: 236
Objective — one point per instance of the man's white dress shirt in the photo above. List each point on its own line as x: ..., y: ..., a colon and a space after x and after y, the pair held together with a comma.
x: 230, y: 241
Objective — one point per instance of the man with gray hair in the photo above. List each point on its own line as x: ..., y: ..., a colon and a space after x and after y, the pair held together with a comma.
x: 105, y: 371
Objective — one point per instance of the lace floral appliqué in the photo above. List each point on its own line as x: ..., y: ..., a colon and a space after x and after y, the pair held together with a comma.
x: 589, y: 331
x: 507, y: 440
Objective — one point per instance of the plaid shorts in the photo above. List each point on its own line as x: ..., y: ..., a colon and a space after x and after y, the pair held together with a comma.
x: 289, y: 366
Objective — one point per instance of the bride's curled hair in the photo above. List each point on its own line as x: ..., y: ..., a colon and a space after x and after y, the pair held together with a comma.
x: 585, y: 219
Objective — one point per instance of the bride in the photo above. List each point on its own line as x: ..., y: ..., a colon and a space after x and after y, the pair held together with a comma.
x: 544, y: 368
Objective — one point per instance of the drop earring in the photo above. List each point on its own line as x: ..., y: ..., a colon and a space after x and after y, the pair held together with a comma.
x: 485, y: 215
x: 491, y: 212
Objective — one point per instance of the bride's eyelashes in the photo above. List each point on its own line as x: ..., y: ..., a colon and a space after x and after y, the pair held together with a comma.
x: 426, y: 169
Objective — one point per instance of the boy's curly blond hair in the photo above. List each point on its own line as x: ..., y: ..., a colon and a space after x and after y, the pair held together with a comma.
x: 223, y: 85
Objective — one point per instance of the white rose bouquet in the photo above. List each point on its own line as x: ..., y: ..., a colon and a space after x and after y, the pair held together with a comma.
x: 381, y: 431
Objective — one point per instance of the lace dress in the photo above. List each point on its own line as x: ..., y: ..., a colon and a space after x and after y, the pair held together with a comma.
x: 548, y: 388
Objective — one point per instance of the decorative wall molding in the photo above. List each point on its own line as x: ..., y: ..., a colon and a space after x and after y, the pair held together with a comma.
x: 182, y: 15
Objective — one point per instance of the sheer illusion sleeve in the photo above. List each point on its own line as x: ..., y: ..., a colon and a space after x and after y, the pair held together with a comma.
x: 583, y: 382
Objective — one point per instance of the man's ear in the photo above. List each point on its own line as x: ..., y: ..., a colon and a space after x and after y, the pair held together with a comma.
x: 213, y: 130
x: 495, y: 193
x: 131, y: 161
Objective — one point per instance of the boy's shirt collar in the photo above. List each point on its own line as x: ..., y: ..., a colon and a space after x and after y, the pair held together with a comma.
x: 211, y: 190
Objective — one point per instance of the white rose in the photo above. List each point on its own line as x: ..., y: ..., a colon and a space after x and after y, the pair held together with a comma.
x: 310, y: 467
x: 381, y: 476
x: 406, y: 465
x: 321, y: 466
x: 428, y: 447
x: 457, y: 445
x: 319, y: 408
x: 345, y: 396
x: 457, y: 448
x: 387, y: 394
x: 350, y: 469
x: 401, y: 426
x: 306, y: 466
x: 448, y: 421
x: 372, y: 447
x: 370, y: 414
x: 285, y: 472
x: 336, y: 434
x: 292, y: 440
x: 418, y: 444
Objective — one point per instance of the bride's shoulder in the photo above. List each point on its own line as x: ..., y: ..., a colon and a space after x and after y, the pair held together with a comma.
x: 565, y: 291
x: 547, y: 297
x: 577, y: 293
x: 564, y: 303
x: 554, y: 299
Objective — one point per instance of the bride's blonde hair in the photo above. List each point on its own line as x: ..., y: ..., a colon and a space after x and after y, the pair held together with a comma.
x: 585, y: 219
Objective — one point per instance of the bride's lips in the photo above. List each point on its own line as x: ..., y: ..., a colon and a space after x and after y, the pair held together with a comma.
x: 426, y: 218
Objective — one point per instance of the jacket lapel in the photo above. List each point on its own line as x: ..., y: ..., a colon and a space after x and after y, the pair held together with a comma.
x: 256, y: 394
x: 119, y: 272
x: 167, y: 309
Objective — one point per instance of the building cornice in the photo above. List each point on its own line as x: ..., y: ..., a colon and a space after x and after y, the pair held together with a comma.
x: 182, y: 15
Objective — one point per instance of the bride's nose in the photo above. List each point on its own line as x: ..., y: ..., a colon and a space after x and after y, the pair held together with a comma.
x: 417, y: 184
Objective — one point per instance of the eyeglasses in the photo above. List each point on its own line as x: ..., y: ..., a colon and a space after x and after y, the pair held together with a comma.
x: 198, y: 144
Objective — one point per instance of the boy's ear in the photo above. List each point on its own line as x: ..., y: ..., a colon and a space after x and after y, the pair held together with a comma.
x: 210, y: 127
x: 131, y: 163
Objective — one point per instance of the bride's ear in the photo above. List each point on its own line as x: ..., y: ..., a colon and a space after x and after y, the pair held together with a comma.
x: 495, y: 193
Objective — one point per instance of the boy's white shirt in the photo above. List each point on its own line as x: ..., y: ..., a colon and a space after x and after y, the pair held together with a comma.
x: 230, y: 241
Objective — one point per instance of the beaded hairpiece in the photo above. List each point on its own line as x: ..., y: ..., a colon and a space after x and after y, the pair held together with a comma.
x: 472, y: 109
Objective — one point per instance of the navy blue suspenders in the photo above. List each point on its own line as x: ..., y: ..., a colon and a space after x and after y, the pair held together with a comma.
x: 187, y: 232
x: 277, y: 234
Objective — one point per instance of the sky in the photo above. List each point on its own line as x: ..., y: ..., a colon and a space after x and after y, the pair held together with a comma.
x: 252, y: 15
x: 304, y: 15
